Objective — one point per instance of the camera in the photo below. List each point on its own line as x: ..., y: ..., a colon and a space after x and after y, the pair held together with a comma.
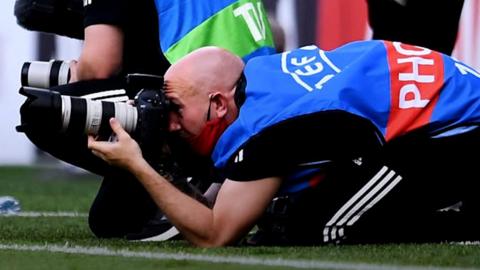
x: 146, y: 120
x: 47, y: 115
x: 45, y: 74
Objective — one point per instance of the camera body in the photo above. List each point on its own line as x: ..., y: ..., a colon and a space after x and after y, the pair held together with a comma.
x: 152, y: 115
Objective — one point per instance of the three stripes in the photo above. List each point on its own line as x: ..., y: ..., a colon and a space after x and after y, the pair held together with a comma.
x: 369, y: 195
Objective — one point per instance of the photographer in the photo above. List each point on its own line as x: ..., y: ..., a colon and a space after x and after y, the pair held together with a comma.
x: 122, y: 207
x: 362, y: 144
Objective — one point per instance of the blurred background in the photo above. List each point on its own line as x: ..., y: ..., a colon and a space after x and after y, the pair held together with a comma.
x: 327, y: 23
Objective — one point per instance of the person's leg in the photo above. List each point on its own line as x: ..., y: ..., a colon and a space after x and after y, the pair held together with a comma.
x: 436, y: 198
x: 121, y: 206
x: 405, y: 21
x: 416, y: 189
x: 419, y: 190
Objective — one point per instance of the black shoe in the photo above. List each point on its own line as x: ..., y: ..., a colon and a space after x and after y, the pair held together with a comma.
x: 156, y: 230
x: 264, y: 238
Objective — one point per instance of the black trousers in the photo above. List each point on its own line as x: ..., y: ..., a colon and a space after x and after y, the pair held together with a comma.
x: 122, y: 205
x: 407, y: 23
x: 418, y: 188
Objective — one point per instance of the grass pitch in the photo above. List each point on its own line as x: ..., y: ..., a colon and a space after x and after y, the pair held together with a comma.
x: 38, y: 240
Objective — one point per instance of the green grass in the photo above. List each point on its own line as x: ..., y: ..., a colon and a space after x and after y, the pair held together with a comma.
x: 15, y: 260
x: 50, y: 190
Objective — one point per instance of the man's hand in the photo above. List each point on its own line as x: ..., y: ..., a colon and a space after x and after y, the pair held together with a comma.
x: 125, y: 152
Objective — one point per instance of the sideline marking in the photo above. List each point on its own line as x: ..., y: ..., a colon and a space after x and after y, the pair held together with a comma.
x: 99, y: 251
x: 46, y: 214
x: 466, y: 243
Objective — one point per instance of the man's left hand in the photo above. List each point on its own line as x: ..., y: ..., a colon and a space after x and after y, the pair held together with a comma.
x: 125, y: 152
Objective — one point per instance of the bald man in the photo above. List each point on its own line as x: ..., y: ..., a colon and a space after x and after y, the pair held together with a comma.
x: 322, y: 147
x: 204, y: 107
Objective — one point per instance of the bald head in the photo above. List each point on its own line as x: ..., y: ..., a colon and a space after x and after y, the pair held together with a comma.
x: 207, y: 69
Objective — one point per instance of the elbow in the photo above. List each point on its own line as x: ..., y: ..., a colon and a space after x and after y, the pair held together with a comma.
x: 101, y: 74
x: 214, y: 241
x: 211, y: 244
x: 92, y: 71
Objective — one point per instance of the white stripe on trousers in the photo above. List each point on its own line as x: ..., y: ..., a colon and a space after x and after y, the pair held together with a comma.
x: 370, y: 194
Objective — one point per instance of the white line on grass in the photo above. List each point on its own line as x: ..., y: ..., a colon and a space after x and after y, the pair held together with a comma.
x: 310, y: 264
x: 466, y: 243
x: 46, y: 214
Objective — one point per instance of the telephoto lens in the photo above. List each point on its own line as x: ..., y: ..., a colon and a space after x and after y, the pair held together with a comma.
x: 49, y: 110
x: 43, y: 74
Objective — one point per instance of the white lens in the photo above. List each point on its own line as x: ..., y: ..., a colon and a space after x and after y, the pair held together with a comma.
x: 66, y: 112
x: 39, y: 74
x: 93, y: 117
x: 64, y: 73
x: 126, y: 114
x: 43, y: 74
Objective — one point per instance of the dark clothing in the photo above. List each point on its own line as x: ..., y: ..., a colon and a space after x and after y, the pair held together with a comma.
x: 412, y: 189
x: 432, y: 24
x: 398, y: 88
x: 138, y: 21
x: 361, y: 160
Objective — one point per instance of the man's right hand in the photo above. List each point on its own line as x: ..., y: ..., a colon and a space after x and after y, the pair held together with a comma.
x: 124, y: 152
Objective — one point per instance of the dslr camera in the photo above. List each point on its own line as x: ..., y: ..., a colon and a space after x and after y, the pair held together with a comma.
x: 146, y: 120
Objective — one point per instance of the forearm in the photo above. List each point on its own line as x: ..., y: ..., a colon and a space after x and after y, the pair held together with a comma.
x: 102, y: 53
x: 227, y: 221
x: 193, y: 219
x: 88, y: 68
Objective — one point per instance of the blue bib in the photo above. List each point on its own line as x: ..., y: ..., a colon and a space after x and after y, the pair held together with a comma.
x: 398, y: 87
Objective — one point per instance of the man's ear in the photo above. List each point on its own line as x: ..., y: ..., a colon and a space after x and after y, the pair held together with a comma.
x: 219, y: 104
